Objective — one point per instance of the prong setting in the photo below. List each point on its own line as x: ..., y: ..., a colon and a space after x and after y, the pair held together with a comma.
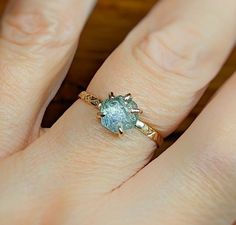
x: 111, y: 95
x: 136, y: 111
x: 121, y: 131
x: 99, y: 105
x: 100, y: 115
x: 128, y: 97
x: 119, y: 113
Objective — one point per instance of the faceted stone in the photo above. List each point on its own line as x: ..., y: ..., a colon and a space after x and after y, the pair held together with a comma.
x: 117, y: 113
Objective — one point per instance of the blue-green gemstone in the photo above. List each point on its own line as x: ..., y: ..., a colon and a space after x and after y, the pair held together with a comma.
x: 117, y: 114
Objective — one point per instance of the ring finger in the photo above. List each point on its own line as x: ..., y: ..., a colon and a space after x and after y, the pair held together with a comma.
x: 166, y: 62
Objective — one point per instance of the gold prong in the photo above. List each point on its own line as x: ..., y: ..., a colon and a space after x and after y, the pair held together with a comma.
x: 100, y: 115
x: 121, y: 132
x: 136, y: 111
x: 99, y: 105
x: 111, y: 95
x: 128, y: 97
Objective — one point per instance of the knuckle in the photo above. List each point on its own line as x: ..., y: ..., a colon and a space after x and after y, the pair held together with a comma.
x: 216, y: 169
x: 166, y: 50
x: 170, y: 65
x: 217, y: 163
x: 35, y: 29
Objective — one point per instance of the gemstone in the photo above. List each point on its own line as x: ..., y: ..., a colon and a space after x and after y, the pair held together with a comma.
x: 117, y: 113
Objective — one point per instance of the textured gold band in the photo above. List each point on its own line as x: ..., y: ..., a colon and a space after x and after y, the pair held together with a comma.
x: 146, y: 129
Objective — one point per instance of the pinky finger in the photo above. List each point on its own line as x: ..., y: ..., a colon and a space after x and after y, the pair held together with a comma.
x: 194, y: 181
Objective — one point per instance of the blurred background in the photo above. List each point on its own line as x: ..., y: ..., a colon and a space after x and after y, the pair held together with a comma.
x: 107, y: 27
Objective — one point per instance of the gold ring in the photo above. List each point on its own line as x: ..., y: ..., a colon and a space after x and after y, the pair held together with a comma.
x: 120, y: 113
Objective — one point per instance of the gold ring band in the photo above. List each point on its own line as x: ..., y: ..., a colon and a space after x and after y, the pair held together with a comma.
x: 142, y: 126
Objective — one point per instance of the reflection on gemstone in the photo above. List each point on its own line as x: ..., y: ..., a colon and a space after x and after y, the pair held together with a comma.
x: 118, y: 114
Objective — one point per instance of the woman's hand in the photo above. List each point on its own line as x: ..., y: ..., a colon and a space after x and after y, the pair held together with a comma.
x: 77, y: 173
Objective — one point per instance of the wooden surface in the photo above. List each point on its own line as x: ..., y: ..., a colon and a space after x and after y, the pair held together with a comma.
x: 106, y: 28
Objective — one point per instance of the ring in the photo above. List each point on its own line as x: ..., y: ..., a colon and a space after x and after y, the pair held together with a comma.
x: 121, y: 113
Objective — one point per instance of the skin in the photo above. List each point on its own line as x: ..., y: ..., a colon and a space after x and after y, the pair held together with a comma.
x: 77, y: 172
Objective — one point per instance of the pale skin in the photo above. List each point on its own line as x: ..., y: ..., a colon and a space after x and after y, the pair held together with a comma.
x: 77, y: 172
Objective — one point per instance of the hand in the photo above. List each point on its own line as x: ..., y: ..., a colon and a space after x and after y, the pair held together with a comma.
x: 77, y: 173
